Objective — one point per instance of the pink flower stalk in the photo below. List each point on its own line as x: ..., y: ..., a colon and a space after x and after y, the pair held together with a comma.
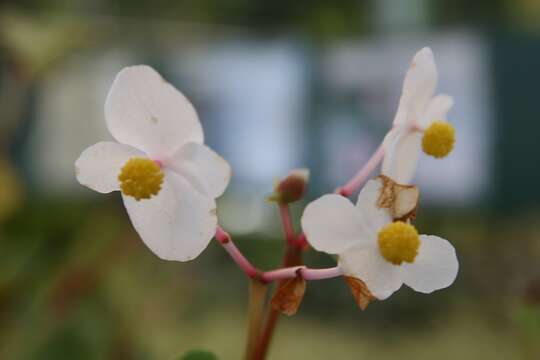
x: 363, y: 174
x: 225, y: 240
x: 301, y: 271
x: 270, y: 276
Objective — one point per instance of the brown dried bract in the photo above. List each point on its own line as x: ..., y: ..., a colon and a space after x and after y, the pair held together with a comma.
x: 401, y: 200
x: 289, y: 295
x: 360, y: 291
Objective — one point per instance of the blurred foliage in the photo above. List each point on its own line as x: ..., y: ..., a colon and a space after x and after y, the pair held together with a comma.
x: 37, y: 43
x: 483, y: 12
x: 199, y: 355
x: 11, y: 190
x: 316, y: 18
x: 527, y: 318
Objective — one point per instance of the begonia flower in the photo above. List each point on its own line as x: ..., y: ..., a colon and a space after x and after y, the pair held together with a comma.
x: 420, y: 121
x: 168, y: 178
x: 372, y: 248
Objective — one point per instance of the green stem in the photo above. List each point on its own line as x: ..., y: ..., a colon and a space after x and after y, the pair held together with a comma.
x: 257, y: 297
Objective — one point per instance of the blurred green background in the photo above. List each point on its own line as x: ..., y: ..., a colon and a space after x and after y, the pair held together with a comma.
x: 278, y: 85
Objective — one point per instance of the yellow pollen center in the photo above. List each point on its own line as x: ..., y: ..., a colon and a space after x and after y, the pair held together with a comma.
x: 140, y: 178
x: 439, y: 139
x: 399, y: 242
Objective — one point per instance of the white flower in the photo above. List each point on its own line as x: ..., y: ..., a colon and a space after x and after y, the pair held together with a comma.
x: 420, y: 121
x: 169, y: 179
x: 372, y: 248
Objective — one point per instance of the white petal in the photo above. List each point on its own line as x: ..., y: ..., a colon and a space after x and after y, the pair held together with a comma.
x: 381, y: 277
x: 145, y: 111
x: 436, y: 110
x: 390, y: 140
x: 373, y: 217
x: 435, y: 267
x: 204, y: 168
x: 420, y: 82
x: 332, y: 224
x: 401, y: 151
x: 402, y: 118
x: 99, y: 165
x: 178, y: 223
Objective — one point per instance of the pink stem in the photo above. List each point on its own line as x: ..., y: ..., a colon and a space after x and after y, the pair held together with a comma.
x: 225, y: 239
x: 362, y: 174
x: 302, y: 271
x: 269, y: 276
x: 287, y: 223
x: 321, y: 274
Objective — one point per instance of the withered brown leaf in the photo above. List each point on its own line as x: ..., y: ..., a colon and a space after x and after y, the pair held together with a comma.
x: 401, y: 200
x: 289, y: 295
x: 360, y: 291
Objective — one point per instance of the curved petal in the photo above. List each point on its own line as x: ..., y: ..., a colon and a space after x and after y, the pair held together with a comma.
x: 402, y: 150
x: 436, y: 110
x: 146, y: 112
x: 435, y: 267
x: 373, y: 217
x: 401, y: 118
x: 178, y: 223
x: 99, y: 165
x: 420, y: 82
x: 332, y: 224
x: 381, y: 277
x: 204, y: 168
x: 390, y: 140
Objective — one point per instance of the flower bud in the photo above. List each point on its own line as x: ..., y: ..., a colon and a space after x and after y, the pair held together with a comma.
x: 290, y: 189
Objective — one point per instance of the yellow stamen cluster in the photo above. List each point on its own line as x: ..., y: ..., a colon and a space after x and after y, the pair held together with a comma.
x: 399, y: 242
x: 140, y: 178
x: 439, y: 139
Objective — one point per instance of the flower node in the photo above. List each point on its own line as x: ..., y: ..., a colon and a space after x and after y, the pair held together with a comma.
x: 439, y: 139
x: 399, y: 242
x: 140, y: 178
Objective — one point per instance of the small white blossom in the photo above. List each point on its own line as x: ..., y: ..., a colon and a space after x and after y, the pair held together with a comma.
x: 168, y: 177
x: 358, y: 235
x: 418, y: 111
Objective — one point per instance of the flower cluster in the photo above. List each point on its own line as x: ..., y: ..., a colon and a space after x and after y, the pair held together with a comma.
x: 169, y: 181
x: 375, y: 240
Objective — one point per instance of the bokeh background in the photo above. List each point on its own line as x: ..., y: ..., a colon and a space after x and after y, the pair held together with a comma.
x: 278, y: 85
